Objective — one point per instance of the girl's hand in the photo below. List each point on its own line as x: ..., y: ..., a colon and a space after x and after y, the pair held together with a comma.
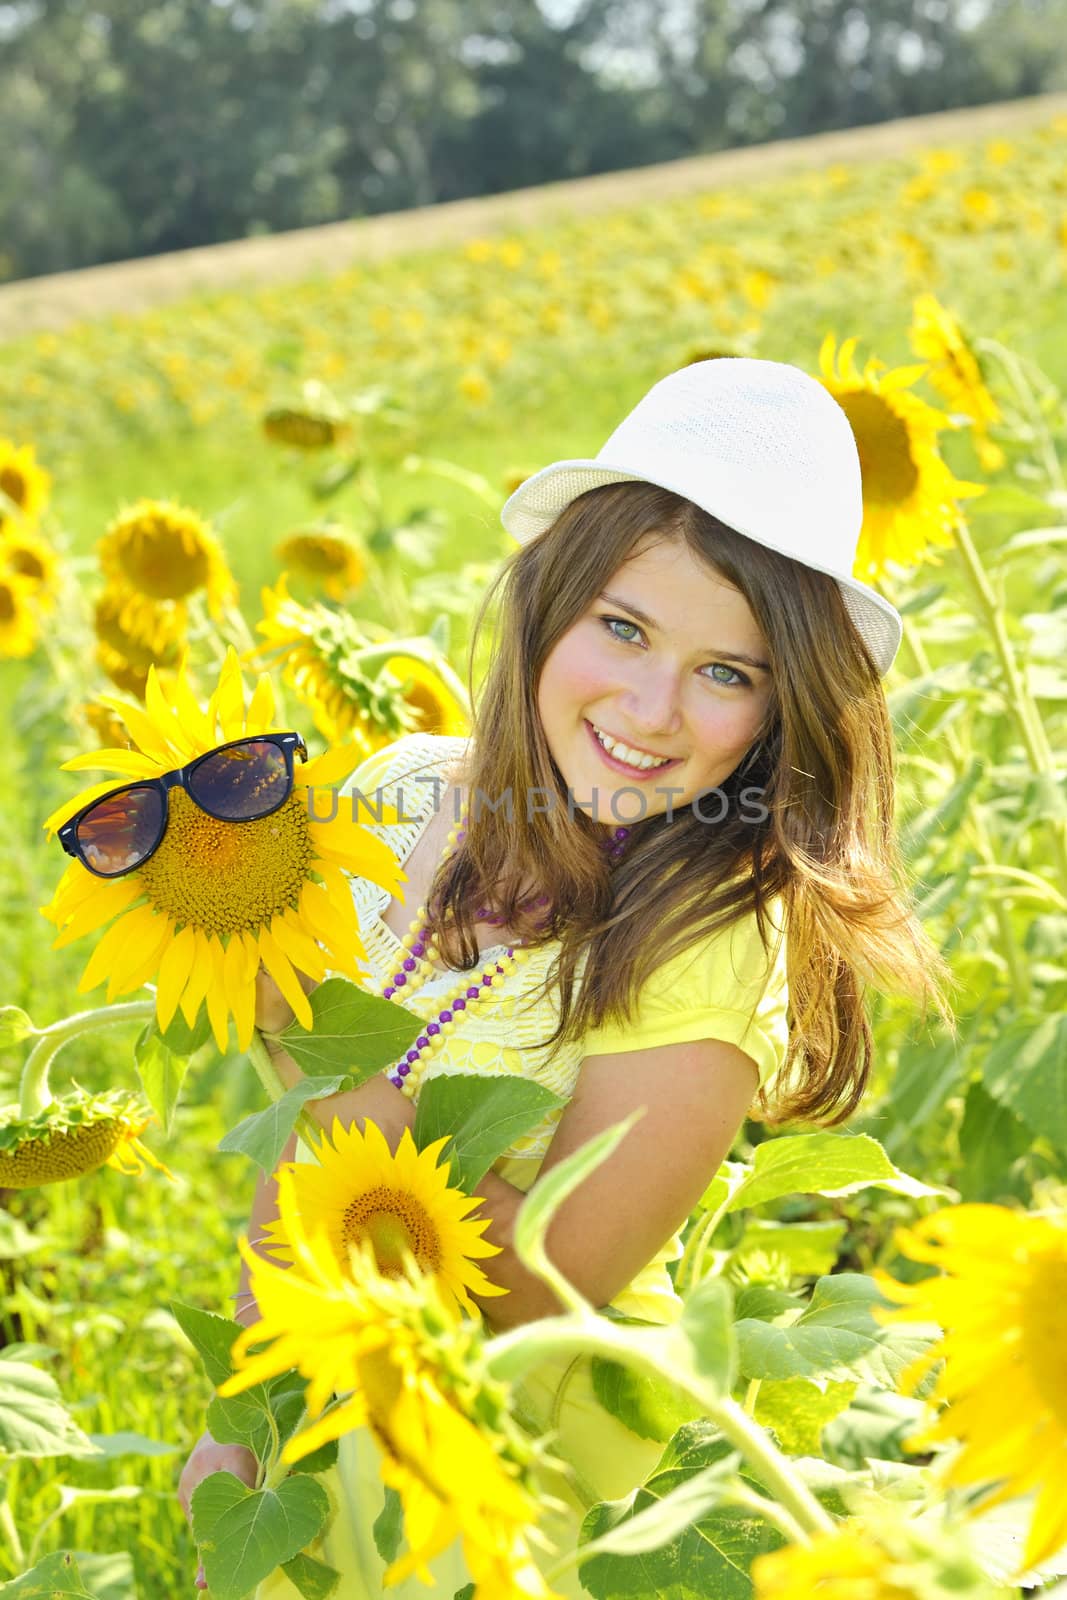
x: 273, y: 1011
x: 209, y: 1456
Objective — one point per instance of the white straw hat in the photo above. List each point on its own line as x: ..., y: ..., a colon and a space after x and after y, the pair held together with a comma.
x: 759, y: 444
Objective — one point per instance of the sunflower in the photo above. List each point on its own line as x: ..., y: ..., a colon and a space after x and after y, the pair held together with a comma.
x: 370, y: 693
x: 18, y: 621
x: 1000, y: 1302
x: 73, y: 1135
x: 143, y: 632
x: 123, y: 674
x: 909, y: 493
x: 33, y: 558
x: 936, y: 336
x: 24, y: 487
x: 881, y: 1553
x: 159, y: 551
x: 218, y: 898
x: 408, y: 1368
x: 401, y: 1203
x: 327, y: 555
x: 303, y: 428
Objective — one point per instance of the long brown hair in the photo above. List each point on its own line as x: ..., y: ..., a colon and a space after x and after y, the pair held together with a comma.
x: 827, y: 845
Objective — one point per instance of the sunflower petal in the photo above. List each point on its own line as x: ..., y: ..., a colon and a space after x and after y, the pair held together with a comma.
x: 280, y: 969
x: 127, y: 763
x: 174, y: 970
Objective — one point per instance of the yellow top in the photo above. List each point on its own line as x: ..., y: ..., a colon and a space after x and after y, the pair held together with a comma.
x: 706, y: 993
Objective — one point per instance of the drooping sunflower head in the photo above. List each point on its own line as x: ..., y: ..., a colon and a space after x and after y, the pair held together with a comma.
x: 954, y: 371
x: 329, y: 556
x: 24, y: 487
x: 999, y: 1301
x: 18, y: 619
x: 74, y: 1135
x: 217, y: 898
x: 402, y: 1205
x: 28, y: 556
x: 142, y: 631
x: 414, y: 1373
x: 909, y: 494
x: 163, y: 551
x: 301, y: 428
x: 369, y: 692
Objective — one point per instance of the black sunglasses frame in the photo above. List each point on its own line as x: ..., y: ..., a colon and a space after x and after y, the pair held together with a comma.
x: 288, y: 743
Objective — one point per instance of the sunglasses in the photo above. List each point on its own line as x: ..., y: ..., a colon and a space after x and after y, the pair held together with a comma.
x: 238, y: 782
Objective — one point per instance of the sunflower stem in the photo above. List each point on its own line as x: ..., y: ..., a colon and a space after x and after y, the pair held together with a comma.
x: 1018, y: 697
x: 584, y: 1333
x: 691, y: 1266
x: 1020, y: 982
x: 34, y: 1092
x: 275, y: 1086
x: 7, y: 1524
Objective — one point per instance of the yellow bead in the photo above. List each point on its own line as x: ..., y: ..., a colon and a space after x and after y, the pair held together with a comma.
x: 448, y: 1027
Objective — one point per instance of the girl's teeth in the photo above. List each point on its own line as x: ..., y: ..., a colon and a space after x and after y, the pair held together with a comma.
x: 632, y: 758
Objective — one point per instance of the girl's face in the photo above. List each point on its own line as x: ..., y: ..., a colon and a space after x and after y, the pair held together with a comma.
x: 667, y: 663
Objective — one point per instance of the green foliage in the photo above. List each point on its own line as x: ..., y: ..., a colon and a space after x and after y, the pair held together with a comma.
x: 482, y: 1116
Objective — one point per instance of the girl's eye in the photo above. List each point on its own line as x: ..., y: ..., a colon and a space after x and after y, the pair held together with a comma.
x: 610, y: 622
x: 736, y: 680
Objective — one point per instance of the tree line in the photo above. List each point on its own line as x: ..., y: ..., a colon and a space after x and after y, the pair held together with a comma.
x: 132, y: 127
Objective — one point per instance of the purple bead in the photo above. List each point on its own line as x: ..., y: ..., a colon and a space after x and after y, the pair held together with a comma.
x: 499, y: 968
x: 459, y: 1005
x: 472, y: 993
x: 421, y: 1042
x: 412, y: 1055
x: 409, y: 964
x: 446, y: 1016
x: 399, y: 979
x: 418, y: 949
x: 402, y: 1070
x: 487, y: 981
x: 433, y: 1029
x: 388, y: 992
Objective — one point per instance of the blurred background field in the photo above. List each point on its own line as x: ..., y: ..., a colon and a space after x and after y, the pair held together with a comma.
x: 429, y: 384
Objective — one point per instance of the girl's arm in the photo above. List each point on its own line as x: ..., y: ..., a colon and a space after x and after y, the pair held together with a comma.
x: 694, y: 1097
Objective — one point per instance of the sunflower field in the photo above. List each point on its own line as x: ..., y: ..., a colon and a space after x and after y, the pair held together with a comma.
x: 277, y: 508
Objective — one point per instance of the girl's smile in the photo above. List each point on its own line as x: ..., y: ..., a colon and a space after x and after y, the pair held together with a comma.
x: 662, y: 685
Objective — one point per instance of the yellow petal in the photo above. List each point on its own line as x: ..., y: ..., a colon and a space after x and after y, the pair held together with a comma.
x: 240, y: 989
x: 199, y: 979
x: 174, y: 972
x: 119, y: 948
x: 277, y: 964
x: 128, y: 763
x: 260, y: 717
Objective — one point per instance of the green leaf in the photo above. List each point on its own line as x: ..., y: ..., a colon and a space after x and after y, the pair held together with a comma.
x: 664, y: 1519
x: 57, y: 1577
x: 872, y: 1428
x: 389, y: 1526
x: 181, y: 1040
x: 33, y: 1419
x: 161, y: 1073
x: 823, y: 1163
x: 15, y: 1026
x: 707, y: 1323
x: 466, y: 1593
x: 834, y: 1337
x: 16, y: 1239
x: 1026, y: 1070
x: 353, y: 1032
x: 797, y: 1411
x: 313, y: 1578
x: 945, y: 817
x: 484, y: 1115
x: 212, y: 1337
x: 245, y: 1533
x: 113, y: 1445
x: 549, y: 1192
x: 992, y: 1139
x: 653, y: 1408
x: 709, y: 1556
x: 1023, y: 543
x: 262, y: 1136
x: 809, y: 1248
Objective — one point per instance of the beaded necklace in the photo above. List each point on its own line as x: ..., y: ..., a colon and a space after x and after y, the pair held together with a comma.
x: 417, y: 968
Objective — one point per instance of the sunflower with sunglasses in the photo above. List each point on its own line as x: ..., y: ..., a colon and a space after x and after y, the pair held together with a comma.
x: 208, y: 861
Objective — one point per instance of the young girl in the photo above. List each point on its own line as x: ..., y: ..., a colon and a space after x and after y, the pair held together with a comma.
x: 667, y: 846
